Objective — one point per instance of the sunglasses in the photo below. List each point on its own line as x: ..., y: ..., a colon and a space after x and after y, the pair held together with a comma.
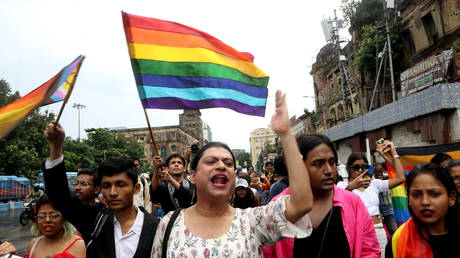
x: 82, y: 183
x: 358, y: 167
x: 54, y: 216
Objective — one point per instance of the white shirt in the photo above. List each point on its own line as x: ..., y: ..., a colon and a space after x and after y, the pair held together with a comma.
x: 370, y: 196
x: 126, y: 245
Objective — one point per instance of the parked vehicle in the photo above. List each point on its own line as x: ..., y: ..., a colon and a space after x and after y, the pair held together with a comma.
x: 14, y: 188
x: 71, y: 178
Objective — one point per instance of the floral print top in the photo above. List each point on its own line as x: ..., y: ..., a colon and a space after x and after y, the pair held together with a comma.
x: 250, y: 229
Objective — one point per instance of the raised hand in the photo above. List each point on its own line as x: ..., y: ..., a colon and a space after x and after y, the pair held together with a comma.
x: 280, y: 120
x: 55, y: 135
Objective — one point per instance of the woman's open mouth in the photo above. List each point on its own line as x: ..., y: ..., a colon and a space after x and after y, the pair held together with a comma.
x: 219, y: 180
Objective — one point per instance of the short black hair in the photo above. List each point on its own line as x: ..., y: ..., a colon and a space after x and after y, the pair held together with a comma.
x: 133, y: 158
x: 115, y: 166
x: 440, y: 158
x: 175, y: 155
x: 308, y: 142
x: 200, y: 152
x: 90, y: 172
x: 280, y: 166
x: 268, y: 163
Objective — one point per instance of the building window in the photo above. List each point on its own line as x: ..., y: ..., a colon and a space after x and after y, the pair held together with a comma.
x: 173, y: 148
x: 172, y: 135
x: 430, y: 28
x: 408, y: 41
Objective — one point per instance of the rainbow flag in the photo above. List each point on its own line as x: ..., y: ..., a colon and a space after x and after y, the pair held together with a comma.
x: 55, y: 89
x: 411, y: 156
x: 179, y: 67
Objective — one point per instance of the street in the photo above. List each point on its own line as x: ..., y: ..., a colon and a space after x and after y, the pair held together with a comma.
x: 12, y: 231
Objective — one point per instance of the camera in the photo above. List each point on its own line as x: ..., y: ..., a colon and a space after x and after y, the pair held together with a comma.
x: 195, y: 147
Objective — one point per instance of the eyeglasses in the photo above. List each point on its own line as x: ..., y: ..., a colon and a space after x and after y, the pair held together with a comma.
x: 54, y: 216
x: 358, y: 167
x: 82, y: 183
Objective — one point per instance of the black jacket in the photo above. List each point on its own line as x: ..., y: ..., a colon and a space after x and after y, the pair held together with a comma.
x: 83, y: 217
x: 183, y: 195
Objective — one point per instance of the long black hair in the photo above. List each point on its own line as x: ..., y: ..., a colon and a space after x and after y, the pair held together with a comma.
x: 248, y: 201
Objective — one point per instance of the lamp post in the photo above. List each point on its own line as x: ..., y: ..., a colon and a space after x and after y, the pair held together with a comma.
x: 79, y: 107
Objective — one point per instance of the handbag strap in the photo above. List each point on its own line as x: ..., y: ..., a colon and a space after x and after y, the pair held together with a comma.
x: 101, y: 217
x: 173, y: 218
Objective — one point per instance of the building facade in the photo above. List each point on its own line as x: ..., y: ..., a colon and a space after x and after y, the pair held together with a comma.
x: 207, y: 133
x: 168, y: 139
x: 427, y: 106
x: 259, y: 137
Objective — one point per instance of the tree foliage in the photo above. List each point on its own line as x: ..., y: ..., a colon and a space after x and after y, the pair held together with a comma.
x: 244, y: 157
x: 357, y: 14
x: 24, y: 149
x: 372, y: 38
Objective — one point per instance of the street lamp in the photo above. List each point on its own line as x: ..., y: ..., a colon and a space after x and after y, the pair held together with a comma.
x: 79, y: 107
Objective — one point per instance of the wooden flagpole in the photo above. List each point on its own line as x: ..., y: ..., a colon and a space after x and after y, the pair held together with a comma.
x: 151, y: 133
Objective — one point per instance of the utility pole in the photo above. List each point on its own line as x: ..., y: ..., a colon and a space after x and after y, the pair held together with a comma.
x: 385, y: 17
x: 79, y: 107
x: 337, y: 45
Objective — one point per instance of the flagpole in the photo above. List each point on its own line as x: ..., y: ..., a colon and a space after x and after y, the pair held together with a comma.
x: 70, y: 91
x: 151, y: 133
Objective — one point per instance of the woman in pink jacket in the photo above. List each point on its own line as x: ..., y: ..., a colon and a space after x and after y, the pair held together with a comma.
x: 342, y: 225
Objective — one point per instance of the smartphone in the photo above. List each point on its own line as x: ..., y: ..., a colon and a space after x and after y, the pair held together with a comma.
x: 370, y: 170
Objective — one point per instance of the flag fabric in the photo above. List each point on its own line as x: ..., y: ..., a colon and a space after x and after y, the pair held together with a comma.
x: 179, y: 67
x: 55, y: 89
x: 411, y: 156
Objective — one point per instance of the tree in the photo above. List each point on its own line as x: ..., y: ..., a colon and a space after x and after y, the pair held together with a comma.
x: 360, y: 13
x: 109, y: 144
x: 24, y: 149
x: 244, y: 157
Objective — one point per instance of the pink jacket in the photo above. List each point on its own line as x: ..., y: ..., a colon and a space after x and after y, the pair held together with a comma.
x: 357, y: 223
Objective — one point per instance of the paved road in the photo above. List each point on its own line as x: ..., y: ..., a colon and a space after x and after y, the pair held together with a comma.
x: 12, y: 231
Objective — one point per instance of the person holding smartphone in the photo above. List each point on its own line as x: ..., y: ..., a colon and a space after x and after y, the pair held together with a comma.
x: 360, y: 182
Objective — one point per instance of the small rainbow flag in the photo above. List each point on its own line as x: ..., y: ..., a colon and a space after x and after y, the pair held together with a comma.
x: 55, y: 89
x: 179, y: 67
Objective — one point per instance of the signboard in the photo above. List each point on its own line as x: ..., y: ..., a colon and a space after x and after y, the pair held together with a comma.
x: 426, y: 73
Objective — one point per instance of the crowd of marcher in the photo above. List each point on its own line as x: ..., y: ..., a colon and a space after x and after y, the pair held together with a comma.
x: 205, y: 207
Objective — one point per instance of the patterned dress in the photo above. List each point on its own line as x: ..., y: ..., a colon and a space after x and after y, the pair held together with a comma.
x: 250, y: 229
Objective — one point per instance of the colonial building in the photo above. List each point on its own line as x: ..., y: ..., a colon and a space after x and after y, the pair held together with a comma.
x: 191, y: 120
x: 258, y: 139
x: 168, y: 139
x: 427, y: 106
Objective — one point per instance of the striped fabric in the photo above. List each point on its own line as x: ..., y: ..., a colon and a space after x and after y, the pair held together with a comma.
x: 179, y: 67
x: 407, y: 242
x: 411, y: 156
x: 54, y: 90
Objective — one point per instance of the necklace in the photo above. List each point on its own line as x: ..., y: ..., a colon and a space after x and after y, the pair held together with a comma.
x: 325, y: 232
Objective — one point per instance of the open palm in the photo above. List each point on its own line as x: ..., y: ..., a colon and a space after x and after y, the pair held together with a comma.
x: 280, y: 120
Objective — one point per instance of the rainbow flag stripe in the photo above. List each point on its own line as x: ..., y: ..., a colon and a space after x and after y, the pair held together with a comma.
x: 179, y: 67
x: 49, y: 92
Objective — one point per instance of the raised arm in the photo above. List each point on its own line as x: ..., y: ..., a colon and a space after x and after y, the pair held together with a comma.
x: 157, y: 167
x: 56, y: 185
x: 301, y: 200
x: 397, y: 165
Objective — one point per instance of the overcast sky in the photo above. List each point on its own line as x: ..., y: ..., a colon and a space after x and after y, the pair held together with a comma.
x: 38, y: 38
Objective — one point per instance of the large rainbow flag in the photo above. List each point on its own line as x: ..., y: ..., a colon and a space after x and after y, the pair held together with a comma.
x: 179, y: 67
x: 55, y: 89
x: 411, y: 156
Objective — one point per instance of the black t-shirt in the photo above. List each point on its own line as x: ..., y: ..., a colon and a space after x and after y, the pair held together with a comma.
x: 335, y: 243
x: 443, y: 246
